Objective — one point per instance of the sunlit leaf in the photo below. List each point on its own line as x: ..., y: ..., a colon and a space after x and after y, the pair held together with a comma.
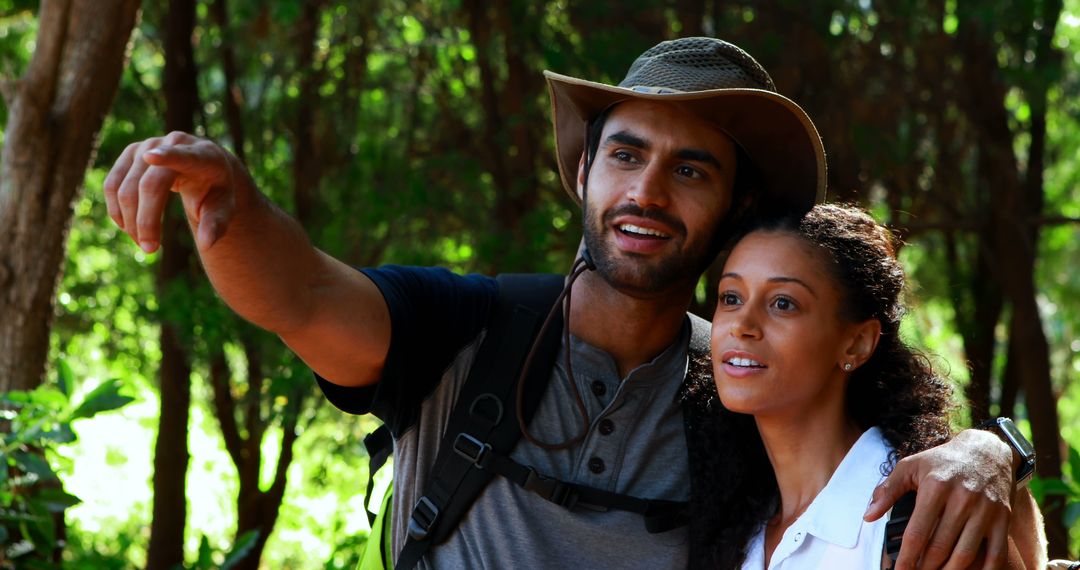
x: 55, y: 500
x: 243, y: 546
x: 106, y: 396
x: 32, y: 463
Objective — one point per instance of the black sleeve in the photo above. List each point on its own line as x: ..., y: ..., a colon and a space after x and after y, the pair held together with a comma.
x: 434, y: 313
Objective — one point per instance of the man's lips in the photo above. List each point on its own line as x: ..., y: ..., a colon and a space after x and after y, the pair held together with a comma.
x: 642, y: 231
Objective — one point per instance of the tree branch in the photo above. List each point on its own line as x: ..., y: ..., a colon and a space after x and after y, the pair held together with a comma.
x: 225, y: 407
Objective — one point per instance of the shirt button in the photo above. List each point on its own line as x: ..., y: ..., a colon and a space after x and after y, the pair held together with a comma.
x: 798, y: 536
x: 599, y: 388
x: 596, y: 465
x: 606, y: 426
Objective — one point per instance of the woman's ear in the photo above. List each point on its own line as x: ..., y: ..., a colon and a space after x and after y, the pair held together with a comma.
x: 861, y: 344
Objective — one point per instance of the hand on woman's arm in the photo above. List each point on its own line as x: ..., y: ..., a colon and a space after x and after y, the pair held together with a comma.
x: 964, y: 489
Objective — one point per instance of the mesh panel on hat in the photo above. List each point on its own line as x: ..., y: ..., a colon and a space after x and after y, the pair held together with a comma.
x: 697, y: 64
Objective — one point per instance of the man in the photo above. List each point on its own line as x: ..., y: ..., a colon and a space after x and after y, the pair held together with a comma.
x: 695, y: 137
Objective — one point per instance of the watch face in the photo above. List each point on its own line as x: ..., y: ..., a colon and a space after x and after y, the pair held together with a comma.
x: 1023, y: 446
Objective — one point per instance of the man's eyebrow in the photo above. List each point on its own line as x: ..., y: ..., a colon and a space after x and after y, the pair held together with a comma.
x: 778, y: 279
x: 699, y: 155
x: 694, y: 154
x: 627, y: 138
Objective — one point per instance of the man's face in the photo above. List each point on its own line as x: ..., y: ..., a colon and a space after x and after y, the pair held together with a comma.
x: 660, y: 183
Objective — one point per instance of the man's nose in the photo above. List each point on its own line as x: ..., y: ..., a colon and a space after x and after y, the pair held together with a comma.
x: 650, y: 189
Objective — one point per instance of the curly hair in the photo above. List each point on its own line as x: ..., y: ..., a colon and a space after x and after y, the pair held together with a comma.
x: 733, y: 486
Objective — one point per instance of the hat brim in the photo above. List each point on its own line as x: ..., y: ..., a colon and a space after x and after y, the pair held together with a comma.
x: 775, y: 132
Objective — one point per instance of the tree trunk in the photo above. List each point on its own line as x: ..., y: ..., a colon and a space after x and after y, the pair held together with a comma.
x: 171, y: 455
x: 54, y: 113
x: 1014, y: 242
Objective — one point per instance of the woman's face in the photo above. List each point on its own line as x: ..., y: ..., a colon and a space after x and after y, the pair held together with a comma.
x: 778, y: 341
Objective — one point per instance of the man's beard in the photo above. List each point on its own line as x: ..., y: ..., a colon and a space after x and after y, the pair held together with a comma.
x: 625, y: 273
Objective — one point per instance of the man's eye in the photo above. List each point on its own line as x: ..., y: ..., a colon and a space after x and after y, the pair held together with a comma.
x: 623, y: 156
x: 688, y: 171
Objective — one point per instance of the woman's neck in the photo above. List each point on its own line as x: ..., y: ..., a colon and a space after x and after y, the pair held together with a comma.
x: 805, y: 449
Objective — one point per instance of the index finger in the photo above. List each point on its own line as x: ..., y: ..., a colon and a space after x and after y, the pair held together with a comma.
x: 112, y: 182
x: 889, y: 491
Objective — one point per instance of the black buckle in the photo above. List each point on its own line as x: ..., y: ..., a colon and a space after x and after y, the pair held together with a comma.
x: 471, y: 448
x: 552, y: 489
x: 423, y: 518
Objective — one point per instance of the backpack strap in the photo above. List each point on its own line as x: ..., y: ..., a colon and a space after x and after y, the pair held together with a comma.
x: 485, y: 409
x: 898, y: 520
x: 379, y: 443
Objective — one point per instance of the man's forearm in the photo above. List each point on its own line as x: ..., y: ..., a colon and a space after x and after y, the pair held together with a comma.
x: 264, y: 264
x: 1026, y: 529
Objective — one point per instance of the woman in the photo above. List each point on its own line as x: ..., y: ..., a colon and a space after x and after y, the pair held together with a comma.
x: 827, y: 397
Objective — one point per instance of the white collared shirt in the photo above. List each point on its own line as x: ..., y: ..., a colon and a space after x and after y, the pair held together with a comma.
x: 832, y: 533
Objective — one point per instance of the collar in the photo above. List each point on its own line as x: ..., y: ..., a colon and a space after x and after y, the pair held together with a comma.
x: 836, y: 514
x: 595, y: 362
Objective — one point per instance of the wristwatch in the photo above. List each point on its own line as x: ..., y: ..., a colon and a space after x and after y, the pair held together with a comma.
x: 1008, y: 432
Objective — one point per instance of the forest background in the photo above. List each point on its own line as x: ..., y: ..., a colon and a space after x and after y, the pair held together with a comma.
x: 417, y: 132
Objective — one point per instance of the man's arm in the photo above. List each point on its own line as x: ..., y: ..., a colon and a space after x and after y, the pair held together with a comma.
x: 1026, y: 529
x: 257, y: 257
x: 964, y: 497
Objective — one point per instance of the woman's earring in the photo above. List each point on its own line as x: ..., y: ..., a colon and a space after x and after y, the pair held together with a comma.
x: 847, y: 367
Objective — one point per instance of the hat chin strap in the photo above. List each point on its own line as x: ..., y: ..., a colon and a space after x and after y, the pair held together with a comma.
x: 582, y: 264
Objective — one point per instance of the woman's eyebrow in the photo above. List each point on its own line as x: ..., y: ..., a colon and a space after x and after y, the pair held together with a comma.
x: 796, y: 280
x: 777, y: 279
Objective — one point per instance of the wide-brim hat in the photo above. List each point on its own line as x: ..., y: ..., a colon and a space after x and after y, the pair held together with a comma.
x: 723, y: 84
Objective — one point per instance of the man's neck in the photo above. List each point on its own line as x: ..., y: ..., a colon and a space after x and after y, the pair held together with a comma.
x: 633, y: 330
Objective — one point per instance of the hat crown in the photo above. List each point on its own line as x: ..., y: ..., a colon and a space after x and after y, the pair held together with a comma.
x: 696, y: 64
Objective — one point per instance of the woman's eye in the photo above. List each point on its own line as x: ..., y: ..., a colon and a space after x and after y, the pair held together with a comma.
x: 784, y: 304
x: 729, y: 299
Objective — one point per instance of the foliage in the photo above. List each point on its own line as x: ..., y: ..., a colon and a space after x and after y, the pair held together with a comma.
x: 411, y: 162
x: 36, y: 425
x: 1067, y: 487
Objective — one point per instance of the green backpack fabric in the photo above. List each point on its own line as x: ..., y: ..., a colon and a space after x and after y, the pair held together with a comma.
x: 381, y: 541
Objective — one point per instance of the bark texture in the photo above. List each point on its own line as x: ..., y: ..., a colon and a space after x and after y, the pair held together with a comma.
x: 171, y: 453
x: 54, y: 114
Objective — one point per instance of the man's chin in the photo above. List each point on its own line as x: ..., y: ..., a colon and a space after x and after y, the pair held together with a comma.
x: 644, y: 282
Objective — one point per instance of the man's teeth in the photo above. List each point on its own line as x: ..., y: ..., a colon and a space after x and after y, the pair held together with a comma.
x: 632, y: 229
x: 743, y: 362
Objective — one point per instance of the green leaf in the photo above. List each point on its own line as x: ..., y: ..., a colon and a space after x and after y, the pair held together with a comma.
x: 65, y: 378
x: 102, y: 399
x: 205, y: 554
x: 35, y: 464
x: 62, y: 434
x: 242, y: 548
x: 1072, y: 515
x: 1074, y: 463
x: 48, y: 398
x: 55, y: 500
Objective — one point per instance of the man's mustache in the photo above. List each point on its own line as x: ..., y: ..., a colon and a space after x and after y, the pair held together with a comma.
x: 632, y: 209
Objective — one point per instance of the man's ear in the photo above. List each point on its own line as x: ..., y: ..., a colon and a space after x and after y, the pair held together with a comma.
x: 581, y: 175
x: 862, y: 342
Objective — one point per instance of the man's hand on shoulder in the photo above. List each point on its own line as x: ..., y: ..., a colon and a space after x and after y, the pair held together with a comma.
x: 964, y: 492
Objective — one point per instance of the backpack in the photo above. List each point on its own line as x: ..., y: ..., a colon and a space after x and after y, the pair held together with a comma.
x: 483, y: 429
